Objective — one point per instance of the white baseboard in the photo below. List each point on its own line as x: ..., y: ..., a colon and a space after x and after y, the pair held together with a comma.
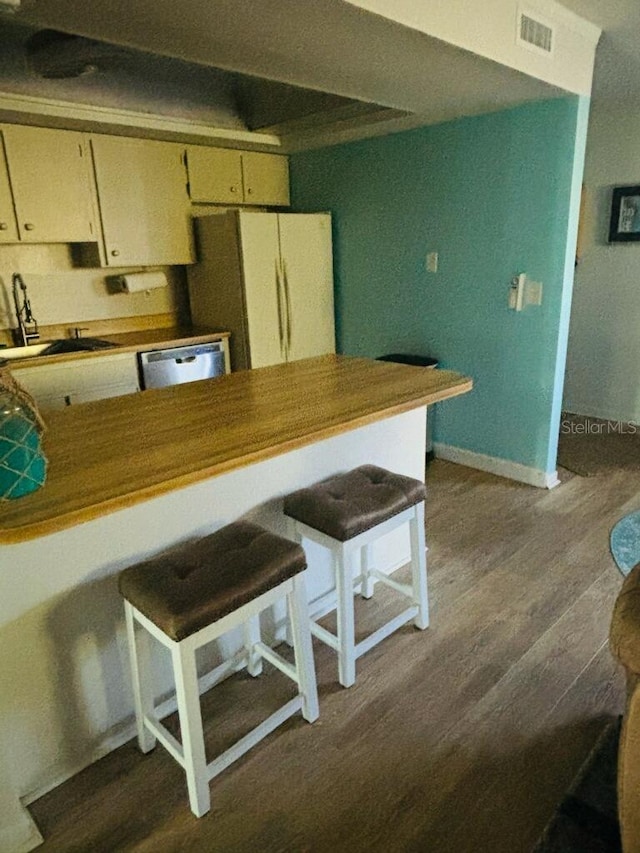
x: 494, y: 465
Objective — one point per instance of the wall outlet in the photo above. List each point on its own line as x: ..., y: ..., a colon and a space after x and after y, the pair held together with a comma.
x: 432, y: 262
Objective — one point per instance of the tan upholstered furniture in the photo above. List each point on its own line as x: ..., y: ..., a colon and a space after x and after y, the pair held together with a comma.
x: 192, y: 594
x: 346, y: 514
x: 625, y: 644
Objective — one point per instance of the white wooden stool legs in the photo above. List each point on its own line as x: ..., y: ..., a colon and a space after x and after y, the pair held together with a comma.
x: 419, y: 567
x: 361, y: 546
x: 190, y: 752
x: 138, y: 642
x: 345, y: 617
x: 183, y: 657
x: 252, y: 637
x: 366, y: 564
x: 305, y: 667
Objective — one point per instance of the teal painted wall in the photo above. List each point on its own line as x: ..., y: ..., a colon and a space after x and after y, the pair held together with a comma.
x: 494, y: 195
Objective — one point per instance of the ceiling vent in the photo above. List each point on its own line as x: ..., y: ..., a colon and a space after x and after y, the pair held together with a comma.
x: 535, y: 34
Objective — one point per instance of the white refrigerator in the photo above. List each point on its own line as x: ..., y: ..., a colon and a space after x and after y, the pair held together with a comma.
x: 268, y: 279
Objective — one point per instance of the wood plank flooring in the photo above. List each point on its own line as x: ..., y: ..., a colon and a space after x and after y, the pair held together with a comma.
x: 457, y: 739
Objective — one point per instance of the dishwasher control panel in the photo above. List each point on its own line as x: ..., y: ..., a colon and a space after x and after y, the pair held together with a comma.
x: 161, y: 367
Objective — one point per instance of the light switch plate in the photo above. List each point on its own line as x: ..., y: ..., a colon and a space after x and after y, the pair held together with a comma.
x: 432, y: 262
x: 517, y: 291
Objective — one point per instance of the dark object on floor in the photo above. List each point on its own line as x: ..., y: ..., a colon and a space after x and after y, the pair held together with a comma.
x: 586, y: 820
x: 590, y: 446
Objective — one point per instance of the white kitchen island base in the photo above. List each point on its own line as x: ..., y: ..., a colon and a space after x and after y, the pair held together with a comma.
x: 65, y: 695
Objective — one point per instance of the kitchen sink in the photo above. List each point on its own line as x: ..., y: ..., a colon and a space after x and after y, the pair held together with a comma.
x: 64, y: 345
x: 22, y: 352
x: 76, y: 345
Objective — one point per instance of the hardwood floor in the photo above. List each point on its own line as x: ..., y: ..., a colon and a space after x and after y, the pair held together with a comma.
x: 461, y: 738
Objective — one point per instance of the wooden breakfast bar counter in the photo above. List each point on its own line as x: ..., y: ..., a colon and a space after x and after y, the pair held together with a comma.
x: 130, y: 476
x: 114, y: 453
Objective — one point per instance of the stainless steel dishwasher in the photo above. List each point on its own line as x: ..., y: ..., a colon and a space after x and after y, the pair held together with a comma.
x: 162, y: 367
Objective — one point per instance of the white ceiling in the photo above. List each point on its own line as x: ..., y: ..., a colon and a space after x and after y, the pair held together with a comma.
x: 321, y: 44
x: 324, y: 45
x: 332, y: 46
x: 617, y: 69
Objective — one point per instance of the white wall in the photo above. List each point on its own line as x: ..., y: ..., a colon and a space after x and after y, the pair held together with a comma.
x: 61, y: 293
x: 489, y: 29
x: 603, y: 362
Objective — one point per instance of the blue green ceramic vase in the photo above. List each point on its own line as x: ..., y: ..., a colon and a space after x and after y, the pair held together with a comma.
x: 23, y: 466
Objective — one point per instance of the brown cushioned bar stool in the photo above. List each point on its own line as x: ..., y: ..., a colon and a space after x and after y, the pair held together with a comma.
x: 192, y: 594
x: 346, y: 514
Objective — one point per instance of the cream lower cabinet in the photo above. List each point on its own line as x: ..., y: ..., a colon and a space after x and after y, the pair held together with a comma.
x: 66, y: 383
x: 49, y: 172
x: 268, y: 279
x: 143, y: 201
x: 227, y: 176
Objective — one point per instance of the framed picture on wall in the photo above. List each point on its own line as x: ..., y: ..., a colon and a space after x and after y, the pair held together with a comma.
x: 625, y: 215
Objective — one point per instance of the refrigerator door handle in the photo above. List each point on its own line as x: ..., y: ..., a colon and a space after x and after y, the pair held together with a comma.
x: 279, y: 297
x: 287, y: 298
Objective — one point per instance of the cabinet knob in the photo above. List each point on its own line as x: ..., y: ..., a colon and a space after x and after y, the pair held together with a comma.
x: 115, y: 252
x: 233, y: 189
x: 29, y: 226
x: 249, y: 190
x: 3, y: 226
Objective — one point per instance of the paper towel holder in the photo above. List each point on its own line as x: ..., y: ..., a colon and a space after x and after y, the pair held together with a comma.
x: 114, y: 283
x: 136, y: 282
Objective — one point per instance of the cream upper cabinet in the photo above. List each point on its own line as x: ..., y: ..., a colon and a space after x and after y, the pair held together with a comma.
x: 144, y: 206
x: 265, y: 178
x: 50, y: 180
x: 227, y: 176
x: 215, y: 174
x: 8, y: 225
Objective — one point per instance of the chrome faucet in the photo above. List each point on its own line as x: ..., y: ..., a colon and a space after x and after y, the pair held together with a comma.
x: 27, y: 330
